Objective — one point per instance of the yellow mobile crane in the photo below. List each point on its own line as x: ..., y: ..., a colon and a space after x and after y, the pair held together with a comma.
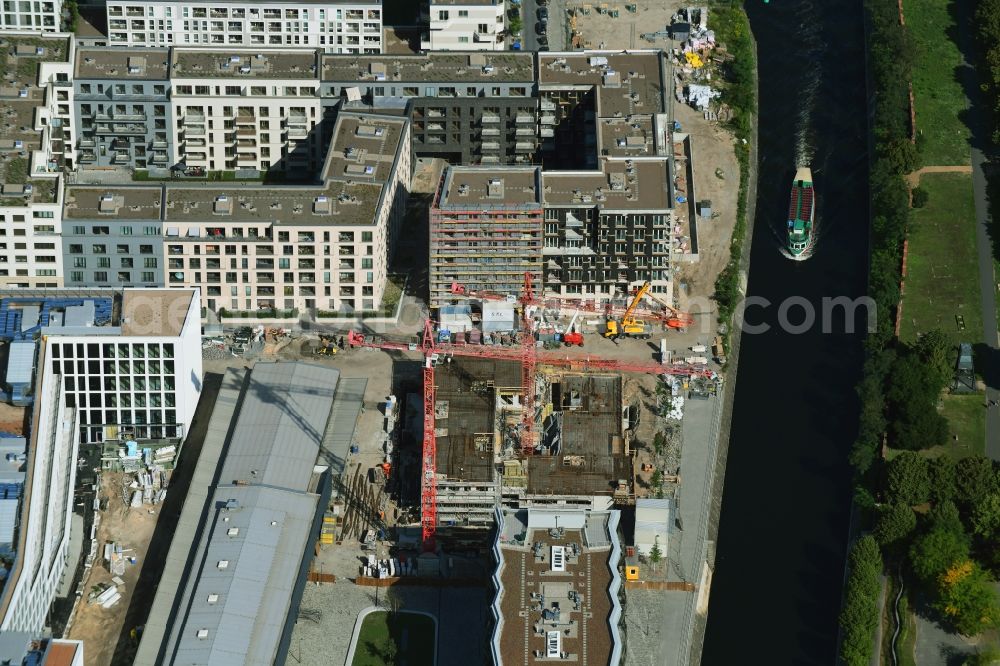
x: 629, y: 325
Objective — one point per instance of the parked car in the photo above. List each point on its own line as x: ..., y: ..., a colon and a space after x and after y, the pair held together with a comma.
x: 542, y: 40
x: 543, y: 14
x: 540, y: 28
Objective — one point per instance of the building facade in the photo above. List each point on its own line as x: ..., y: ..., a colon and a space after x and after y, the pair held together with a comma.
x: 112, y: 239
x: 35, y: 145
x: 486, y: 230
x: 122, y: 110
x: 466, y: 25
x: 334, y: 26
x: 247, y: 110
x: 135, y: 378
x: 447, y: 97
x: 42, y: 546
x: 306, y: 247
x: 33, y: 15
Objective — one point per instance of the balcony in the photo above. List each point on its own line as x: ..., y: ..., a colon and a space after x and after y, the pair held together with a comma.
x: 491, y: 118
x: 524, y: 118
x: 114, y: 129
x: 491, y: 131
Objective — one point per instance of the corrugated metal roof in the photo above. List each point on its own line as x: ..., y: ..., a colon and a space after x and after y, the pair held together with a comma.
x: 272, y: 451
x: 254, y: 591
x: 20, y: 362
x: 281, y: 424
x: 340, y: 431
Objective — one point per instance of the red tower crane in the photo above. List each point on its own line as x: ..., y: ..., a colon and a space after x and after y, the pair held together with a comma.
x: 529, y: 357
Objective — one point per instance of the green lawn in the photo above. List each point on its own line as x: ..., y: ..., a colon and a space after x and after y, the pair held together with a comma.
x: 967, y: 419
x: 400, y: 638
x: 938, y: 94
x: 966, y: 416
x: 942, y: 265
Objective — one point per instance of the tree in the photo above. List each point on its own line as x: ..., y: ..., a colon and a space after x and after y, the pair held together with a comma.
x: 942, y: 473
x: 908, y: 479
x: 986, y: 517
x: 936, y: 350
x: 974, y: 479
x: 967, y: 598
x: 895, y: 523
x: 912, y: 398
x: 654, y: 553
x: 920, y: 197
x: 859, y: 616
x: 944, y: 544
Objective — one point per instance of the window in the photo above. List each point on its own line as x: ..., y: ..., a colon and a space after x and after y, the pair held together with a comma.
x: 483, y: 28
x: 126, y: 231
x: 100, y: 276
x: 127, y: 262
x: 463, y: 13
x: 123, y: 248
x: 463, y: 39
x: 443, y: 15
x: 149, y: 262
x: 104, y: 262
x: 151, y: 231
x: 148, y: 276
x: 146, y: 249
x: 76, y: 249
x: 76, y: 276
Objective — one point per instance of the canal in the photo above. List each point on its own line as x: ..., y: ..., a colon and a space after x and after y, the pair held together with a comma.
x: 783, y: 528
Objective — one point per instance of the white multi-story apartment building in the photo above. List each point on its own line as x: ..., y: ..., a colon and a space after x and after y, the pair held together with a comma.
x: 252, y: 247
x: 465, y: 25
x: 324, y: 247
x: 35, y: 146
x: 336, y: 26
x: 247, y: 110
x: 138, y: 377
x: 34, y: 15
x: 41, y: 550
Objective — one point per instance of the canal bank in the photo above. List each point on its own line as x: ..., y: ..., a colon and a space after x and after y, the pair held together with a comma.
x: 784, y: 513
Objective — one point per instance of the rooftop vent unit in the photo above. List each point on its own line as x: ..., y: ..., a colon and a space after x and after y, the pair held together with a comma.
x: 321, y: 205
x: 494, y: 188
x: 108, y: 204
x: 370, y: 131
x: 213, y: 599
x: 223, y: 205
x: 553, y: 644
x: 558, y: 558
x: 203, y: 633
x: 463, y: 189
x: 136, y: 65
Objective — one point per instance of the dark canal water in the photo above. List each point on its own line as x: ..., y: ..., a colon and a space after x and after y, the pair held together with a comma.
x: 782, y: 539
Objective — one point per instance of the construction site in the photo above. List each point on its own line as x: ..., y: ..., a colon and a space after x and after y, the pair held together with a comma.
x: 530, y: 419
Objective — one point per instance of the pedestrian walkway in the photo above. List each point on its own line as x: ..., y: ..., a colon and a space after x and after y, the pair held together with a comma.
x: 913, y: 179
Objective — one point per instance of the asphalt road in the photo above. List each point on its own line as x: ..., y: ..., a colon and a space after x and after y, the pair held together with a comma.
x: 989, y: 358
x: 556, y: 28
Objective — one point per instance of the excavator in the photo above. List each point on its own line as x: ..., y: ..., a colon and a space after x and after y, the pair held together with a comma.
x: 637, y: 328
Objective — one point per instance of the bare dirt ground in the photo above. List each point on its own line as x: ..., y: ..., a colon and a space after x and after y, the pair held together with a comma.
x: 99, y: 628
x: 712, y: 146
x: 12, y: 419
x: 602, y: 31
